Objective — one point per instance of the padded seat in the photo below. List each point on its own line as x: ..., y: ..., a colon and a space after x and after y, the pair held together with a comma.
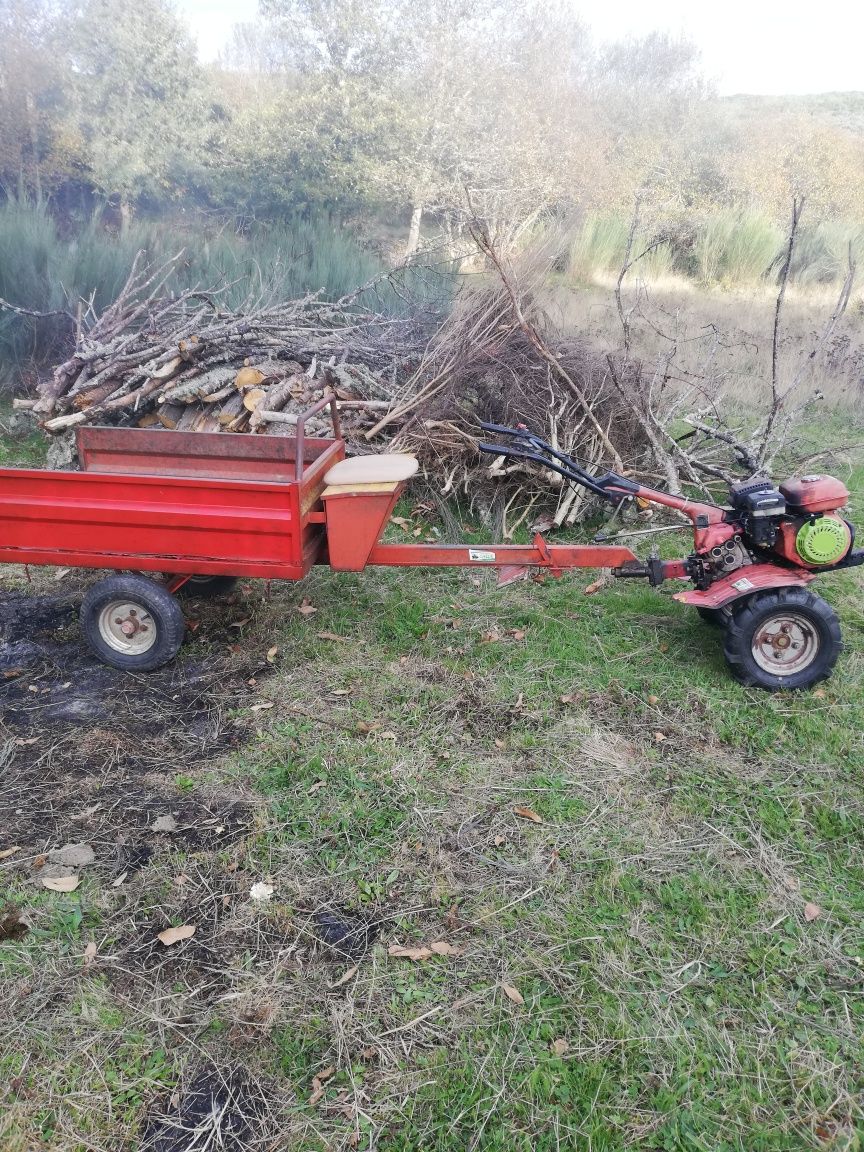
x: 387, y: 468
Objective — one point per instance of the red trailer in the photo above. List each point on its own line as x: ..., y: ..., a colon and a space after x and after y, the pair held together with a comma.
x: 203, y: 508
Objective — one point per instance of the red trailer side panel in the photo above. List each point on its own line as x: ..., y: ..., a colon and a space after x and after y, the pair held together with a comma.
x: 177, y: 524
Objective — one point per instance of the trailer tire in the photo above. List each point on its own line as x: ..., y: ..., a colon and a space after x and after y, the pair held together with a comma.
x: 132, y: 623
x: 207, y: 587
x: 786, y: 638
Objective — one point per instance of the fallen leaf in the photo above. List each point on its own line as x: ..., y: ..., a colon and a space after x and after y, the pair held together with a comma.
x: 402, y: 522
x: 7, y: 852
x: 61, y: 883
x: 410, y: 953
x: 819, y: 693
x: 89, y: 954
x: 240, y: 623
x: 165, y: 823
x: 594, y: 586
x: 262, y: 707
x: 272, y: 653
x: 73, y: 855
x: 315, y: 787
x: 333, y: 636
x: 566, y: 699
x: 659, y: 737
x: 528, y: 814
x: 387, y: 735
x: 512, y: 993
x: 517, y: 633
x: 261, y: 892
x: 306, y: 607
x: 559, y: 1047
x: 318, y: 1083
x: 500, y: 744
x: 652, y: 700
x: 499, y: 840
x: 40, y: 861
x: 489, y: 637
x: 442, y: 948
x: 812, y: 912
x: 22, y: 743
x: 116, y: 883
x: 663, y: 647
x: 175, y: 935
x: 365, y: 726
x: 345, y: 977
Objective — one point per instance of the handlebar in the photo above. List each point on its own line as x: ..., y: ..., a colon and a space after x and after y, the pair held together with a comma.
x: 527, y: 446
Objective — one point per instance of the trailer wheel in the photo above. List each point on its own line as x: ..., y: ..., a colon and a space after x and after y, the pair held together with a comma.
x: 716, y: 617
x: 207, y: 587
x: 131, y: 622
x: 785, y: 638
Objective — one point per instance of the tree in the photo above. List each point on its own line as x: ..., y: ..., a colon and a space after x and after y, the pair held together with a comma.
x: 35, y: 152
x: 140, y: 101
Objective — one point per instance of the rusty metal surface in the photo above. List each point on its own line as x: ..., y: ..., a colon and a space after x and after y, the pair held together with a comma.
x: 744, y: 582
x: 215, y: 455
x: 554, y: 557
x: 300, y: 438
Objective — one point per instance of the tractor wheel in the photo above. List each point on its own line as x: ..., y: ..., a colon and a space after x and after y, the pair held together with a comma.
x: 785, y: 638
x: 716, y: 617
x: 133, y: 623
x: 207, y: 587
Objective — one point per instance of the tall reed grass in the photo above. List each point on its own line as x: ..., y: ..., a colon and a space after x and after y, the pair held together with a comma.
x: 44, y: 271
x: 727, y: 248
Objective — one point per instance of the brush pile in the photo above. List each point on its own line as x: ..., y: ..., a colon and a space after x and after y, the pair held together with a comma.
x: 422, y: 384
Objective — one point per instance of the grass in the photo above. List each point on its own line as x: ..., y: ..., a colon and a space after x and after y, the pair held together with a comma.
x: 673, y: 989
x: 732, y: 248
x: 43, y: 270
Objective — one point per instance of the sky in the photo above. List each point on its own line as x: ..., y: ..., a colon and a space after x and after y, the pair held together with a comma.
x: 766, y: 47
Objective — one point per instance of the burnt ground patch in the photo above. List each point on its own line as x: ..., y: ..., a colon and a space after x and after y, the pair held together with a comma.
x: 90, y: 753
x: 219, y: 1109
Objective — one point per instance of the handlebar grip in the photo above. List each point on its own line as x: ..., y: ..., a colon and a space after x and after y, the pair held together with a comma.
x: 500, y: 430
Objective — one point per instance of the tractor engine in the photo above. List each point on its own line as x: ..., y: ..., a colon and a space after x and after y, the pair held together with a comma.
x: 799, y: 519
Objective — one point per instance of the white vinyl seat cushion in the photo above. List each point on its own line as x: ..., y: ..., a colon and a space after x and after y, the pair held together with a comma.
x: 376, y: 469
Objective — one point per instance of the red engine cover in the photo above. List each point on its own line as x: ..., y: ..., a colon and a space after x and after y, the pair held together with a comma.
x: 815, y: 493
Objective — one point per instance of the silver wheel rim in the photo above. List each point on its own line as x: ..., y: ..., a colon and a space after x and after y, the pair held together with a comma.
x: 785, y: 643
x: 127, y: 627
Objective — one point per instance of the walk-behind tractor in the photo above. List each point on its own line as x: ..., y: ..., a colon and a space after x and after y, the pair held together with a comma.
x: 198, y: 509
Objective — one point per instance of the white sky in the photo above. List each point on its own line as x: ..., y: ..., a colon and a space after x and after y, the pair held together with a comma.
x: 771, y: 47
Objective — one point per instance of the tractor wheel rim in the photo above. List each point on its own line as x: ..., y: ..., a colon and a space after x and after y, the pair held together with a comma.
x: 785, y: 644
x: 127, y: 627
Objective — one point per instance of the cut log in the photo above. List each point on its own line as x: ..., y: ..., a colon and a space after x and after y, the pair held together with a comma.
x: 231, y: 409
x: 91, y: 397
x: 253, y: 398
x: 169, y: 414
x: 248, y: 377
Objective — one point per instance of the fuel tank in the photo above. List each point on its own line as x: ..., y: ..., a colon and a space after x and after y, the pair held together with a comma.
x: 810, y: 494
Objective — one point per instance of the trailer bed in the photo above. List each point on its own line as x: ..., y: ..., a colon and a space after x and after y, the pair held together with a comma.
x: 181, y: 503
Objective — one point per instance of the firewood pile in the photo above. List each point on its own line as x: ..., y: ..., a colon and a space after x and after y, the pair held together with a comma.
x: 189, y: 362
x: 421, y: 384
